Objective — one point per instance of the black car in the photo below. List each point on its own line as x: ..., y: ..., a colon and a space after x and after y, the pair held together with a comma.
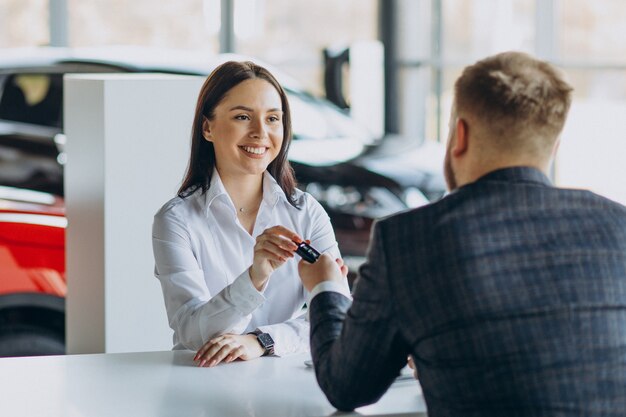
x: 355, y: 176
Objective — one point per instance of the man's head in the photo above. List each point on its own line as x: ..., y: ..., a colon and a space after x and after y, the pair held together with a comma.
x: 509, y: 110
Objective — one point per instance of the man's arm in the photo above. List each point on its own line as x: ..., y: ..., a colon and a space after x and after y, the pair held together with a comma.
x: 356, y: 347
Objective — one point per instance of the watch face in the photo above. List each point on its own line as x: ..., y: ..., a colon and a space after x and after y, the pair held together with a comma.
x: 266, y: 340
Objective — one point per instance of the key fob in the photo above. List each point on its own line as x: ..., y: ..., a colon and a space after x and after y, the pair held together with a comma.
x: 307, y: 252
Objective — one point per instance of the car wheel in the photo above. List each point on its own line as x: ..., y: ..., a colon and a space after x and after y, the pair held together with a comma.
x: 30, y: 341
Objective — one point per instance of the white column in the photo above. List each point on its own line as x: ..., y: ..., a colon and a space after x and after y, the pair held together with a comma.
x: 367, y: 86
x: 128, y: 142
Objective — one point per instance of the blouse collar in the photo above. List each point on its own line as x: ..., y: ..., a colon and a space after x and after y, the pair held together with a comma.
x: 272, y: 192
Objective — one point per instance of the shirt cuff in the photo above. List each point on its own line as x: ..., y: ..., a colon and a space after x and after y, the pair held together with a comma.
x: 244, y: 295
x: 289, y: 338
x: 328, y: 286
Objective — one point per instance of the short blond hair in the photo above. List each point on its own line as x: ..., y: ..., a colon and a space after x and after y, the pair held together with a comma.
x: 521, y: 101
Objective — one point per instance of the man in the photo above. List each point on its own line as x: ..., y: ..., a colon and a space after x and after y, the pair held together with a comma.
x: 509, y: 294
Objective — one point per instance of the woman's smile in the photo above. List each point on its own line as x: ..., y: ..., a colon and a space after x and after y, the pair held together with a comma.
x: 254, y: 151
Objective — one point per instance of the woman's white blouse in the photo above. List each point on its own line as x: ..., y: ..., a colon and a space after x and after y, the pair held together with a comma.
x: 202, y: 255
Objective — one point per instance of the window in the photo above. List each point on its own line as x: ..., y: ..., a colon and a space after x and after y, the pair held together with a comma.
x: 583, y: 38
x: 183, y: 24
x: 591, y: 32
x: 24, y: 23
x: 590, y: 45
x: 315, y: 119
x: 291, y: 34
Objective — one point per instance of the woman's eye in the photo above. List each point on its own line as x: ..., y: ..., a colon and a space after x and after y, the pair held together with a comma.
x: 242, y: 117
x: 274, y: 119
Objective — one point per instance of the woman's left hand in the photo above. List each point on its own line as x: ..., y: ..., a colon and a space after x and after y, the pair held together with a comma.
x: 411, y: 363
x: 227, y: 348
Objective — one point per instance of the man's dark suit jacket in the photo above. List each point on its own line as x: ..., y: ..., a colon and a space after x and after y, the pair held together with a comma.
x: 509, y: 293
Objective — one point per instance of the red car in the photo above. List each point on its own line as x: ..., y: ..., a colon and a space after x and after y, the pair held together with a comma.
x: 32, y: 268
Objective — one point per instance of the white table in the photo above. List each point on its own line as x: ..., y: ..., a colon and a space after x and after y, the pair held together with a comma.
x: 159, y: 384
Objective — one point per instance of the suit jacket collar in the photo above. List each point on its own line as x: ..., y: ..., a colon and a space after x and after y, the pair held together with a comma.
x: 517, y: 174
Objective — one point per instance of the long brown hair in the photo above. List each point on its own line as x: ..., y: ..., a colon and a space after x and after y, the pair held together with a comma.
x: 202, y: 158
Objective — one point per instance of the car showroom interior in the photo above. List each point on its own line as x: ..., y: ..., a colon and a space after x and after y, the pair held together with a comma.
x: 312, y: 208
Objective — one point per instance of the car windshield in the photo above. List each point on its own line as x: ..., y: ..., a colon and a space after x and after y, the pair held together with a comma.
x: 316, y: 119
x: 32, y: 98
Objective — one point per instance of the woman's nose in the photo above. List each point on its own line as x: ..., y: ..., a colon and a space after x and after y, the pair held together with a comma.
x: 257, y: 129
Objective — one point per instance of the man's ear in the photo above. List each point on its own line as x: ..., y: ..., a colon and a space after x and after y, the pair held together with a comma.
x: 461, y: 136
x: 206, y: 129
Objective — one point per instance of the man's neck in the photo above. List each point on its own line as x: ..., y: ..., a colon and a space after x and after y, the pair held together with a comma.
x: 479, y: 170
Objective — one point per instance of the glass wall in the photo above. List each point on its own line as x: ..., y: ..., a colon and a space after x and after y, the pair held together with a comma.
x: 24, y: 23
x: 585, y: 39
x: 475, y: 28
x: 291, y: 34
x: 591, y: 32
x: 590, y: 40
x: 184, y: 24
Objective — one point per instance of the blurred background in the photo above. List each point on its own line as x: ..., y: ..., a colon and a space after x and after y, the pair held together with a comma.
x: 427, y: 43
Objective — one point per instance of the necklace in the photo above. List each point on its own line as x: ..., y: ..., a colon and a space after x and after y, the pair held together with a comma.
x: 244, y: 211
x: 249, y: 211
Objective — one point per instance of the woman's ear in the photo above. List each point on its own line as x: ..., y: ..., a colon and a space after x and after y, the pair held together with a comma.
x: 206, y: 129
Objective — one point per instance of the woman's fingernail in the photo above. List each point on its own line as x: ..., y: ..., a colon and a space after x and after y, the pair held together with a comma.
x: 201, y: 363
x: 212, y: 363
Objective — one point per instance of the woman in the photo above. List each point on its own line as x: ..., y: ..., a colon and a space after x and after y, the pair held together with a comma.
x: 224, y: 247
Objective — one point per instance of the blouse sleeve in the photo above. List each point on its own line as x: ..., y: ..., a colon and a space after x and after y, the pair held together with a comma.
x: 292, y: 336
x: 193, y: 312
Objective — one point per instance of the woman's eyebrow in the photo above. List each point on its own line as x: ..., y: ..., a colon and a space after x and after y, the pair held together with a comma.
x: 244, y: 108
x: 248, y: 109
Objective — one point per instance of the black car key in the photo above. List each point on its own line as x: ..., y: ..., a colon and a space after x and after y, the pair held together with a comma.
x: 307, y: 252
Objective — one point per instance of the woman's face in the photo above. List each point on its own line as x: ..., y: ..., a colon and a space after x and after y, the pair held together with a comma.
x: 247, y: 128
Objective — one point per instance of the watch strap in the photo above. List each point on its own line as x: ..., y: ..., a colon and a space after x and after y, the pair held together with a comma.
x: 265, y: 340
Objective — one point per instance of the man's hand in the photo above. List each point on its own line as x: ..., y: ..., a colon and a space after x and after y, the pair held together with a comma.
x: 325, y: 269
x: 227, y: 348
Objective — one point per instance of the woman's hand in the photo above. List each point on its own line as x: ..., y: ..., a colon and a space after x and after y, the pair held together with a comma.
x: 227, y: 348
x: 272, y: 249
x: 411, y: 364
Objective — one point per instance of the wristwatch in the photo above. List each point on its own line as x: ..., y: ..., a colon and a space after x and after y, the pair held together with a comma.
x: 265, y: 340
